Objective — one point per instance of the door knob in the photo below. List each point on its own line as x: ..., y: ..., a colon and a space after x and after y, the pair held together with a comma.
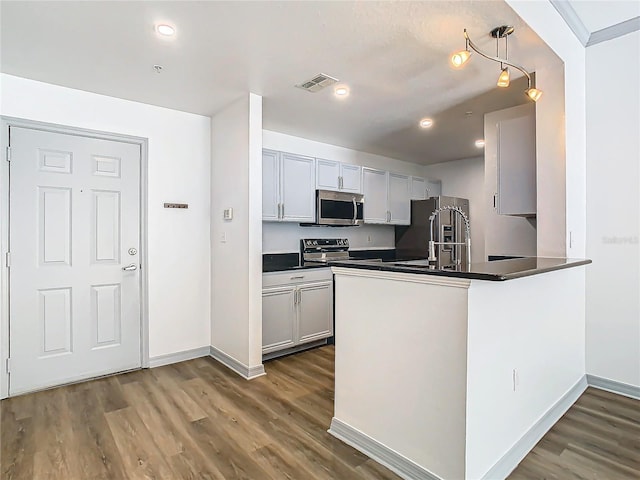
x: 131, y: 267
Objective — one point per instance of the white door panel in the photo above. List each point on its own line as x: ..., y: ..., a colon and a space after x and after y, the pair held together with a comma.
x: 327, y: 175
x: 315, y: 319
x: 270, y: 185
x: 278, y: 318
x: 374, y: 187
x: 297, y: 188
x: 74, y: 213
x: 351, y: 178
x: 399, y: 199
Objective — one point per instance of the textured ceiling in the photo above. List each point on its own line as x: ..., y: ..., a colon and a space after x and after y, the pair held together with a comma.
x: 599, y: 14
x: 393, y: 55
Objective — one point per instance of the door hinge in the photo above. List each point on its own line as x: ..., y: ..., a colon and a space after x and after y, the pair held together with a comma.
x: 8, y: 365
x: 8, y: 154
x: 7, y: 259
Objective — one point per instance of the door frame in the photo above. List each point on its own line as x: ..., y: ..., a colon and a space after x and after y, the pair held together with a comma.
x: 5, y: 123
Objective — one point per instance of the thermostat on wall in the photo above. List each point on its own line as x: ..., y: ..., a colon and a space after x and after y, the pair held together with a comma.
x: 228, y: 214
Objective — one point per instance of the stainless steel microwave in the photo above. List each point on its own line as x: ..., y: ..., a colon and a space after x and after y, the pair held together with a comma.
x: 339, y: 208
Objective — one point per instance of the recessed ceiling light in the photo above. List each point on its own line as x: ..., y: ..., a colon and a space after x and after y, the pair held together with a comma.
x: 166, y: 30
x: 426, y: 123
x: 480, y: 143
x: 341, y: 91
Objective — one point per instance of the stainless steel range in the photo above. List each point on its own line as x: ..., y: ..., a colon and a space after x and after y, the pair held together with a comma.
x: 323, y: 250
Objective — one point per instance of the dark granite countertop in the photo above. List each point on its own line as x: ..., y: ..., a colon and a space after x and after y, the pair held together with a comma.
x: 499, y: 270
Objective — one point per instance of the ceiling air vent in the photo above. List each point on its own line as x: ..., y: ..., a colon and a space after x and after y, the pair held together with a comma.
x: 317, y: 83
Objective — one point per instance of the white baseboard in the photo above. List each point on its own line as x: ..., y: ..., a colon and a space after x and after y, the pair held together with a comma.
x: 238, y: 367
x: 176, y: 357
x: 382, y: 454
x: 632, y: 391
x: 514, y: 456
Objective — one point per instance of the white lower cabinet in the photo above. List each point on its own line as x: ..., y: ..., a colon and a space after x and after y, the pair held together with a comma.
x: 297, y: 308
x: 315, y: 311
x: 278, y: 318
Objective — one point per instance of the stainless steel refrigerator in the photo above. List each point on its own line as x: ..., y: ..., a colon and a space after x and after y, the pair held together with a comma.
x: 412, y: 242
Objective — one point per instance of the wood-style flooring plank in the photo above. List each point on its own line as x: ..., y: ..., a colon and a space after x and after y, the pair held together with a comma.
x: 597, y: 439
x: 197, y: 420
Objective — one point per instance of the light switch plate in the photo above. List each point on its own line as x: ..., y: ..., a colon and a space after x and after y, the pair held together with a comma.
x: 228, y: 213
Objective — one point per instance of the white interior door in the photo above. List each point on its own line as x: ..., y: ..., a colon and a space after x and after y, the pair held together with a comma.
x: 74, y: 225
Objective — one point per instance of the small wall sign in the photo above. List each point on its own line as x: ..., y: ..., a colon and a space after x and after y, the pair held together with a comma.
x: 176, y: 205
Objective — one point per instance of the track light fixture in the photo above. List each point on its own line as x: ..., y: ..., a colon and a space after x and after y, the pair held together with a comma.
x: 458, y: 59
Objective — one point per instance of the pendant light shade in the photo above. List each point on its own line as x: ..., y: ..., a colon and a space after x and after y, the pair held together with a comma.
x: 503, y: 79
x: 460, y: 58
x: 534, y: 94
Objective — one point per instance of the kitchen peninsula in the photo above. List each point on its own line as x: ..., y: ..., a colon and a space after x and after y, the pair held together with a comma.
x: 484, y: 361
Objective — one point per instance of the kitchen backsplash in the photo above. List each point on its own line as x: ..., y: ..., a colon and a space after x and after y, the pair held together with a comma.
x: 285, y: 237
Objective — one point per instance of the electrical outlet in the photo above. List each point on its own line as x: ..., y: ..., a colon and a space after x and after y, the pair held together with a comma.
x: 223, y: 237
x: 516, y: 379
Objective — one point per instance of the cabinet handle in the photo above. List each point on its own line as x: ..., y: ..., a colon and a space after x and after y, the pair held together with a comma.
x: 340, y: 182
x: 278, y: 210
x: 495, y: 201
x: 282, y: 211
x: 300, y: 277
x: 299, y: 297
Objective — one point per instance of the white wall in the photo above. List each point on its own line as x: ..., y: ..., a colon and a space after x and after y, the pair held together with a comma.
x: 613, y: 209
x: 236, y: 262
x: 281, y: 237
x: 551, y: 175
x: 179, y: 162
x: 465, y: 178
x: 539, y: 336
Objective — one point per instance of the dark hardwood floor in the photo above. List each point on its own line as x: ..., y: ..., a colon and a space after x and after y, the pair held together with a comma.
x: 598, y: 438
x: 193, y: 420
x: 198, y: 420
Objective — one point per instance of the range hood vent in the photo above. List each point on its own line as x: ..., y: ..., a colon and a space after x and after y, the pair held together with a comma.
x: 317, y: 83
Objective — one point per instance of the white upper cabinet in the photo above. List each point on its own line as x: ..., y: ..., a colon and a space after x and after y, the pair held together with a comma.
x: 350, y: 178
x: 288, y: 187
x: 399, y: 199
x: 387, y: 197
x: 327, y: 174
x: 516, y: 158
x: 374, y: 187
x: 297, y: 192
x: 270, y: 185
x: 434, y: 188
x: 418, y: 188
x: 336, y: 176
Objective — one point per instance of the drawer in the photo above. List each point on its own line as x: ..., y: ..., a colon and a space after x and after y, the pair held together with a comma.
x: 292, y: 277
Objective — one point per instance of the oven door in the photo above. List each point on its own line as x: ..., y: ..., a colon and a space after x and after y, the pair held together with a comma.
x: 337, y: 208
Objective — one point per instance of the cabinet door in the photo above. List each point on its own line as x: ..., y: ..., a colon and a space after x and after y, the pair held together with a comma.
x: 315, y: 312
x: 327, y: 174
x: 418, y: 188
x: 399, y: 199
x: 374, y: 187
x: 278, y: 318
x: 351, y: 178
x: 434, y: 188
x: 270, y: 185
x: 517, y: 165
x: 298, y: 182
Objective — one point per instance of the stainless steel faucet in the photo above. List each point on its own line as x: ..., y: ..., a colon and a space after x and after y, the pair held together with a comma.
x: 467, y: 231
